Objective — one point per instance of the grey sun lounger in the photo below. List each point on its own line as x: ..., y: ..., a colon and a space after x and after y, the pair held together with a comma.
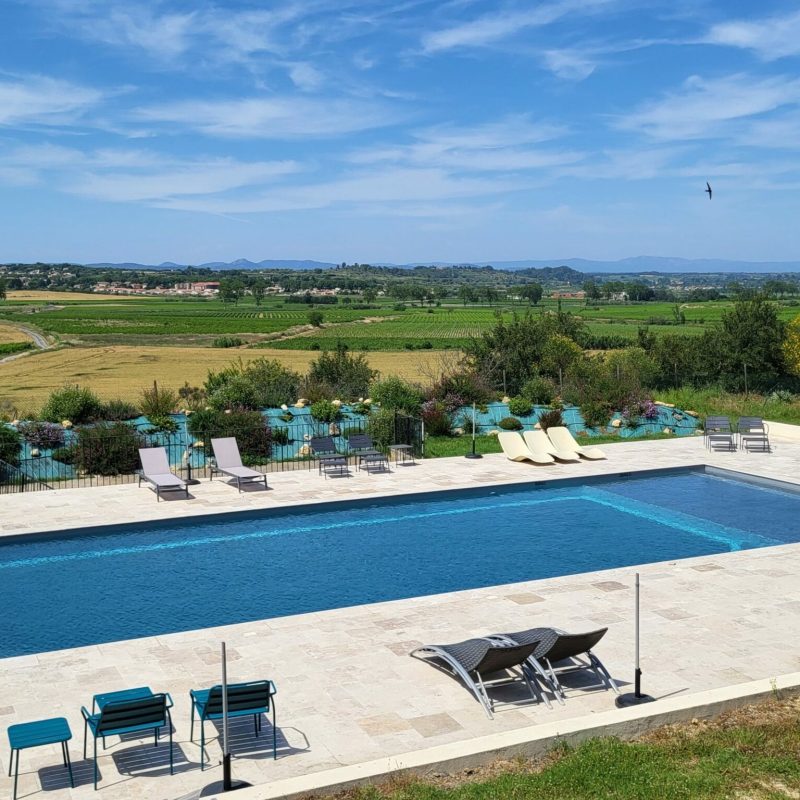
x: 155, y: 471
x: 229, y: 462
x: 719, y: 434
x: 557, y: 653
x: 474, y: 658
x: 753, y: 434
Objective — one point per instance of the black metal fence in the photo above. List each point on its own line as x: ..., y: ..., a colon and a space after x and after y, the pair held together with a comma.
x: 110, y: 457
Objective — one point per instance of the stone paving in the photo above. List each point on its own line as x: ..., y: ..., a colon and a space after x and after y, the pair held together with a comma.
x: 348, y: 692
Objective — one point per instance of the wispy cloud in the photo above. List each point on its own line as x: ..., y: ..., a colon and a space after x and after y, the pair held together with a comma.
x: 41, y: 100
x: 770, y: 38
x: 490, y: 29
x: 706, y: 107
x: 272, y: 117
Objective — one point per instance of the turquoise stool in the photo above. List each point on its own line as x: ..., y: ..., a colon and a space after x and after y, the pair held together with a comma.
x: 38, y: 734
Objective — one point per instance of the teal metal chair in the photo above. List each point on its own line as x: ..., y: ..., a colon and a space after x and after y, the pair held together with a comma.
x: 244, y: 700
x: 128, y: 711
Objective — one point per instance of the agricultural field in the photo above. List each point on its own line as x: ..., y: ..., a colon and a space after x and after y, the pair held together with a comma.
x: 124, y: 371
x: 11, y: 335
x: 40, y: 296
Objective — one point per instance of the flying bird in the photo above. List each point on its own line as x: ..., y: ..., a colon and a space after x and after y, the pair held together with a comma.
x: 708, y: 190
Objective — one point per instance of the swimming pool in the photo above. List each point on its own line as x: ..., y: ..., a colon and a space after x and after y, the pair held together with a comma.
x: 111, y: 584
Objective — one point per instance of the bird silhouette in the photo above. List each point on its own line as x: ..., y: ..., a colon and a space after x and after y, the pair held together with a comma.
x: 708, y: 190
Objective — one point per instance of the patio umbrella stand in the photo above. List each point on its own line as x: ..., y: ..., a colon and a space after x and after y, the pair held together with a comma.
x: 227, y: 784
x: 635, y: 697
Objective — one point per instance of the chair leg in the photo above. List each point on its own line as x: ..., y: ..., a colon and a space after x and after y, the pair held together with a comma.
x: 69, y: 765
x: 16, y: 773
x: 95, y: 763
x: 191, y: 727
x: 85, y: 726
x: 171, y: 759
x: 10, y: 763
x: 255, y: 724
x: 202, y: 745
x: 274, y: 734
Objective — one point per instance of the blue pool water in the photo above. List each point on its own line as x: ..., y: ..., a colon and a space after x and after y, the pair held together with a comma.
x: 78, y: 590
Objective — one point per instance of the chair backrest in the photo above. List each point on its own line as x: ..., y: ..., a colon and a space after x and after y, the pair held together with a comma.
x: 241, y: 697
x: 322, y: 445
x: 360, y: 441
x: 751, y: 425
x: 500, y: 657
x: 154, y: 460
x: 513, y: 444
x: 718, y: 425
x: 133, y: 713
x: 568, y: 645
x: 226, y: 452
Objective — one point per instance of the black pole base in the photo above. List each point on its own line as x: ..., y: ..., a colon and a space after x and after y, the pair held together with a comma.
x: 473, y: 455
x: 219, y: 788
x: 192, y: 482
x: 632, y: 699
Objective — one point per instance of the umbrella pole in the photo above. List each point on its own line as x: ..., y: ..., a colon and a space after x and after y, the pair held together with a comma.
x: 226, y: 753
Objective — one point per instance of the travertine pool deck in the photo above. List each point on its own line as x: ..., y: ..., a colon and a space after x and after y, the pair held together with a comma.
x: 347, y: 690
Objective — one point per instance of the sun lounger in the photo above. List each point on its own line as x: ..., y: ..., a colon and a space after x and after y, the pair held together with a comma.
x: 155, y: 471
x: 719, y: 434
x: 327, y: 456
x: 229, y: 462
x: 753, y: 434
x: 474, y: 658
x: 558, y: 652
x: 367, y: 455
x: 538, y: 442
x: 516, y: 450
x: 564, y: 441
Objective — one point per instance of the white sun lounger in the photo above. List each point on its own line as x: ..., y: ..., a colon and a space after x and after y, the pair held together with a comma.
x: 229, y: 462
x: 516, y: 450
x: 155, y: 471
x: 537, y: 441
x: 564, y: 441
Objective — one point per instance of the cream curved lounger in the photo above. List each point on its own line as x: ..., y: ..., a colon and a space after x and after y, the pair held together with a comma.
x: 563, y: 440
x: 537, y: 441
x: 515, y: 449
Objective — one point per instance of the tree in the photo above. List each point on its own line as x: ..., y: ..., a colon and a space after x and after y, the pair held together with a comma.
x: 532, y: 292
x: 258, y: 289
x: 592, y: 290
x: 791, y: 347
x: 752, y: 338
x: 230, y: 290
x: 369, y: 294
x: 558, y: 355
x: 315, y: 318
x: 348, y: 376
x: 466, y: 294
x: 3, y: 287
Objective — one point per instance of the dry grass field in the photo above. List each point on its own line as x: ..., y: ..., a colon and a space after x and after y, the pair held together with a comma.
x: 9, y: 334
x: 34, y: 296
x: 122, y: 371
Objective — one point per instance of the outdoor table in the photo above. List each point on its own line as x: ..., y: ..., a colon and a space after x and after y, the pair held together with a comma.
x: 404, y: 450
x: 38, y: 734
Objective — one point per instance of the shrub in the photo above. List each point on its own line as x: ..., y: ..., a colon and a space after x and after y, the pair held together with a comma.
x: 65, y: 455
x: 781, y: 396
x: 227, y: 341
x: 250, y: 429
x: 551, y: 419
x: 520, y: 406
x: 468, y: 385
x: 349, y: 376
x: 193, y: 396
x: 437, y: 419
x: 324, y: 411
x: 163, y: 424
x: 44, y: 435
x: 109, y: 448
x: 395, y: 393
x: 10, y: 445
x: 75, y: 403
x: 510, y: 424
x: 280, y: 436
x: 119, y: 410
x: 538, y: 390
x: 158, y: 402
x: 269, y: 382
x: 316, y: 318
x: 380, y: 426
x: 595, y: 414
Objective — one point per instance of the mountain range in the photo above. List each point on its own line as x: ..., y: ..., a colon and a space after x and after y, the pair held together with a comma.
x: 635, y: 265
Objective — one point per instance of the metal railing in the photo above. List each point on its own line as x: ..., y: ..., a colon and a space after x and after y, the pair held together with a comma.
x: 112, y: 458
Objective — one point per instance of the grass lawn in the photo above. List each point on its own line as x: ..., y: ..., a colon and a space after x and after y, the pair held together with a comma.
x: 749, y: 754
x: 715, y: 401
x: 446, y: 446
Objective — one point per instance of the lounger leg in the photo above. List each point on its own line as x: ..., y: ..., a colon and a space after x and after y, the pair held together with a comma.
x: 533, y: 685
x: 543, y: 676
x: 555, y: 682
x: 602, y: 672
x: 487, y: 703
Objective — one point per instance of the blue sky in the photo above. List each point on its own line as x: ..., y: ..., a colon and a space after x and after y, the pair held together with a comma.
x: 361, y: 130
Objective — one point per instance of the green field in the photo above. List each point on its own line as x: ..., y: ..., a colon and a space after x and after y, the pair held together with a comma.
x: 99, y: 320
